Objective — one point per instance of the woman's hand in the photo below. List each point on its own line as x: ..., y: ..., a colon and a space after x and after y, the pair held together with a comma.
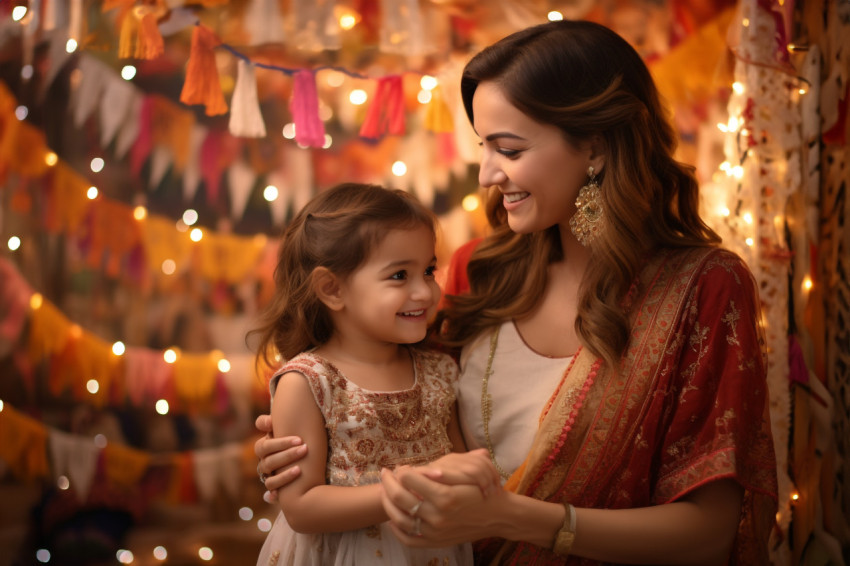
x: 454, y: 508
x: 277, y: 457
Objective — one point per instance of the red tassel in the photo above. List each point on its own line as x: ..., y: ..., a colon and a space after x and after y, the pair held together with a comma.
x: 202, y: 84
x: 386, y: 113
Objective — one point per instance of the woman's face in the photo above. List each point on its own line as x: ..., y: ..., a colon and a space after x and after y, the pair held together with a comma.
x: 538, y: 172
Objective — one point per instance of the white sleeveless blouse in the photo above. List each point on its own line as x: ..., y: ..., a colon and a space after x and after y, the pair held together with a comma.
x: 521, y: 384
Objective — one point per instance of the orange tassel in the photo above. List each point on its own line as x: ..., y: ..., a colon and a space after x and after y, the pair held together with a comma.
x: 129, y: 36
x: 150, y: 44
x: 202, y: 85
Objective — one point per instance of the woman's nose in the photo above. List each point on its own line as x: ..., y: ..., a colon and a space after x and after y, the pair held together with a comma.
x: 489, y: 173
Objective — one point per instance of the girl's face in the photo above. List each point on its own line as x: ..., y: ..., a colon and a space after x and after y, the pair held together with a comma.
x: 538, y: 172
x: 393, y: 295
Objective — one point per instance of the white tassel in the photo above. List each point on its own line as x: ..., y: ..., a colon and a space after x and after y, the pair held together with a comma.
x: 76, y: 457
x: 245, y: 118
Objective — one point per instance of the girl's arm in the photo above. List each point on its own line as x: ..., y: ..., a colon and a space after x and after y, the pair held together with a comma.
x: 698, y: 529
x: 311, y: 506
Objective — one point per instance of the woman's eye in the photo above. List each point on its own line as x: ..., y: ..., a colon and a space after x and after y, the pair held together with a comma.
x: 509, y: 153
x: 399, y: 275
x: 430, y: 271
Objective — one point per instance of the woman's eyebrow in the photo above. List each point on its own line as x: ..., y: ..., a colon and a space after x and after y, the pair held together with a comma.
x: 498, y: 135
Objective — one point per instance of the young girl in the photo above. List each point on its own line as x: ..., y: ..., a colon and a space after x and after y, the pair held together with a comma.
x: 355, y: 291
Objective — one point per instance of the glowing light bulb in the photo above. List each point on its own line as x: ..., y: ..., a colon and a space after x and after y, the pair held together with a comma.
x: 270, y: 193
x: 470, y: 203
x: 223, y: 365
x: 14, y: 243
x: 808, y: 283
x: 162, y: 407
x: 190, y: 216
x: 118, y: 348
x: 427, y: 82
x: 358, y: 96
x: 170, y: 356
x: 128, y: 72
x: 196, y: 234
x: 399, y: 168
x: 18, y: 13
x: 555, y: 16
x: 51, y: 159
x: 71, y: 45
x: 92, y: 386
x: 91, y: 193
x: 97, y: 164
x: 140, y: 212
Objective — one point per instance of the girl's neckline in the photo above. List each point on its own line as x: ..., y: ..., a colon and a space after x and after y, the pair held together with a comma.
x: 512, y: 324
x: 340, y: 373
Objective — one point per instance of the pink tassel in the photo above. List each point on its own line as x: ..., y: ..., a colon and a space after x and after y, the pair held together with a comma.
x: 304, y: 106
x: 386, y: 113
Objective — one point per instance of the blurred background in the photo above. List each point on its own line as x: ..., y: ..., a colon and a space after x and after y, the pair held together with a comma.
x: 151, y: 152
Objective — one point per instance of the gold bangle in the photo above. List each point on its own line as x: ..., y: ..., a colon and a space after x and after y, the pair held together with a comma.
x: 565, y: 537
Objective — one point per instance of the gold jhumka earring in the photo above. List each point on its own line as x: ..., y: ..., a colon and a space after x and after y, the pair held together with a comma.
x: 587, y: 221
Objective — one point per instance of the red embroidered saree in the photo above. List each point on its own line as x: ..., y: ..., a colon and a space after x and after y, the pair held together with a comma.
x: 687, y: 406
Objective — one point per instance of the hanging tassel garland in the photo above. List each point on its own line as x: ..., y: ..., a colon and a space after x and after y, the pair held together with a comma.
x: 304, y: 106
x: 386, y: 112
x: 202, y: 84
x: 245, y: 118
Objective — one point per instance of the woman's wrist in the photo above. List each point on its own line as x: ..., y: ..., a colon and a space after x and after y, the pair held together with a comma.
x: 530, y: 520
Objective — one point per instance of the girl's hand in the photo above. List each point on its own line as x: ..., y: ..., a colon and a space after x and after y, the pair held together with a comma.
x: 276, y: 457
x: 448, y: 514
x: 465, y: 468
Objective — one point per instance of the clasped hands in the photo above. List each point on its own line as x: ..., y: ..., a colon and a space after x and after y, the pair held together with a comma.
x: 449, y: 501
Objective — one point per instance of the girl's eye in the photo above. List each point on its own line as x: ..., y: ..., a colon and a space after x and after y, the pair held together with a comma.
x: 399, y: 275
x: 430, y: 271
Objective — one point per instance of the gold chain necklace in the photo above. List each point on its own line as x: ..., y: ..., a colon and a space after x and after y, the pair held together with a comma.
x: 487, y: 399
x: 487, y: 403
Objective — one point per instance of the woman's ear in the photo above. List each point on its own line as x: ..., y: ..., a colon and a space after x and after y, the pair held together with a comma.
x: 598, y: 151
x: 328, y: 288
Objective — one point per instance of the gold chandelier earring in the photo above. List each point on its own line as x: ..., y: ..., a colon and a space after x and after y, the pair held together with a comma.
x: 586, y: 223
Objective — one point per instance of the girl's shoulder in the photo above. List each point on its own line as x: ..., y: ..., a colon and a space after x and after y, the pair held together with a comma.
x: 433, y: 362
x: 316, y: 369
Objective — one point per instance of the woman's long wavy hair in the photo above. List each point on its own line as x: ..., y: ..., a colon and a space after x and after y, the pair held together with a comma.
x: 337, y: 230
x: 590, y: 83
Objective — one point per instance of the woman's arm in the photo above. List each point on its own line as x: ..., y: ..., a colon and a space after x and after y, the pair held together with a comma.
x: 276, y: 457
x: 309, y: 505
x: 699, y: 529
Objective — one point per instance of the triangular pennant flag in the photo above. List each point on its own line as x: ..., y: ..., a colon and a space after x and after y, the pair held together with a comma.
x: 131, y: 127
x: 120, y: 95
x: 263, y: 22
x: 245, y: 117
x: 205, y: 464
x: 299, y: 163
x: 278, y: 206
x: 192, y: 172
x: 161, y: 159
x: 230, y: 469
x: 438, y: 118
x: 87, y: 97
x: 74, y: 457
x: 240, y: 180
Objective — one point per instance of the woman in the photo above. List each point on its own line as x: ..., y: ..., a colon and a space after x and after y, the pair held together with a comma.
x: 611, y: 361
